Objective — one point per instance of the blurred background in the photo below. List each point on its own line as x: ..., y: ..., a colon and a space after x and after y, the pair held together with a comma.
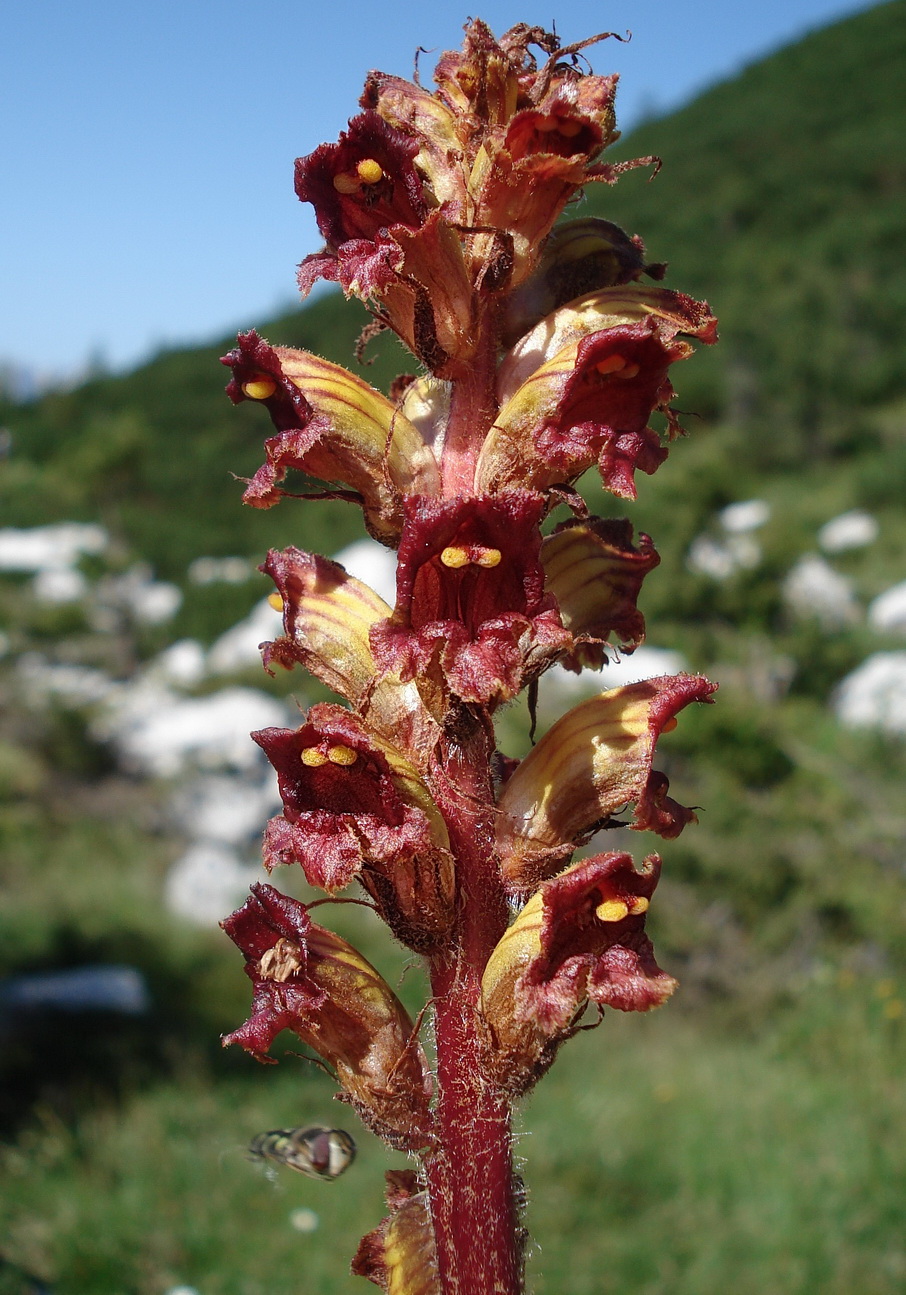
x: 752, y: 1135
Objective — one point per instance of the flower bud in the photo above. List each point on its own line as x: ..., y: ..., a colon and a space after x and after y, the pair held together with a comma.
x: 400, y: 1255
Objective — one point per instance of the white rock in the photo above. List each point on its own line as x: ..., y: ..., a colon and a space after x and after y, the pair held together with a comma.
x: 747, y: 515
x: 162, y: 735
x: 239, y: 648
x: 74, y: 685
x: 207, y: 883
x: 874, y: 695
x: 374, y: 565
x: 887, y: 613
x: 852, y: 530
x: 42, y: 548
x: 229, y: 810
x: 156, y: 603
x: 644, y: 663
x: 137, y: 594
x: 183, y: 664
x: 59, y: 585
x: 721, y: 559
x: 228, y: 571
x: 814, y: 590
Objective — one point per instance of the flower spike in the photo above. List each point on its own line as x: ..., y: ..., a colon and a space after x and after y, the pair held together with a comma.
x: 540, y: 350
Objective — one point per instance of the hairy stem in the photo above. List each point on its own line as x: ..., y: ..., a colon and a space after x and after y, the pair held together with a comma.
x: 470, y: 1175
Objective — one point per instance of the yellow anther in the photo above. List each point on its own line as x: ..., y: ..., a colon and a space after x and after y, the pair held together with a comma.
x: 613, y: 364
x: 369, y: 171
x: 259, y: 387
x: 455, y: 557
x: 670, y: 724
x: 547, y: 124
x: 630, y: 371
x: 568, y: 127
x: 276, y: 602
x: 346, y: 183
x: 612, y: 910
x: 638, y: 904
x: 312, y: 758
x: 342, y: 755
x: 488, y: 558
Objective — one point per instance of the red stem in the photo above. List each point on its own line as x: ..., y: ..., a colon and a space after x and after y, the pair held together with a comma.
x: 473, y: 407
x: 470, y: 1175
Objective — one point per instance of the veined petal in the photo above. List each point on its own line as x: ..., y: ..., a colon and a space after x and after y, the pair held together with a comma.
x: 309, y: 980
x: 437, y: 130
x: 333, y: 426
x: 595, y: 573
x: 580, y: 937
x: 429, y: 303
x: 590, y: 402
x: 590, y: 764
x: 327, y: 615
x: 596, y: 311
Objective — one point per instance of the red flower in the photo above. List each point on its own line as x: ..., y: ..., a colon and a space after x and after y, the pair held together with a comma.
x: 471, y: 615
x: 354, y: 807
x: 581, y: 937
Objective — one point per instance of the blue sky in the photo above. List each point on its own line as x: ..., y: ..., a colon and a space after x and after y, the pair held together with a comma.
x: 147, y: 149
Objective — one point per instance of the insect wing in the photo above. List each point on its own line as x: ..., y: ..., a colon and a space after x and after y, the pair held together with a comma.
x: 315, y: 1151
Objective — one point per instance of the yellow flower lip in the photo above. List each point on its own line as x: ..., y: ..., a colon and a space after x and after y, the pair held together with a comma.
x: 313, y: 757
x: 369, y: 171
x: 612, y: 910
x: 568, y: 127
x: 617, y: 366
x: 260, y: 387
x: 455, y: 556
x: 488, y: 558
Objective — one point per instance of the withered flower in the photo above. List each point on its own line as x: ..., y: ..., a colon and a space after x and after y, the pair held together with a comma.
x: 308, y: 980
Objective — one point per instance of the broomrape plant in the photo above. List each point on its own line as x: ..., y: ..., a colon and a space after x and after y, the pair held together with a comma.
x: 542, y: 352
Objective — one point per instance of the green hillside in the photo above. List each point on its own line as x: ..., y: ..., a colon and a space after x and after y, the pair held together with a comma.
x: 757, y: 1127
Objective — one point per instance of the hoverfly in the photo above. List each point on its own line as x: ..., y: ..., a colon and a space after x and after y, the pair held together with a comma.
x: 315, y: 1151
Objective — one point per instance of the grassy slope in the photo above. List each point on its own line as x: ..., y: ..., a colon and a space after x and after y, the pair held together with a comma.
x: 756, y: 1128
